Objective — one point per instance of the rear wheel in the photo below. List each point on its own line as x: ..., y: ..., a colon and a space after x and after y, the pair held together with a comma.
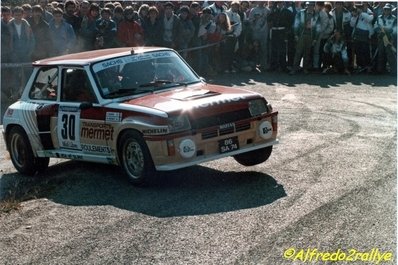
x: 254, y: 157
x: 22, y: 155
x: 135, y: 158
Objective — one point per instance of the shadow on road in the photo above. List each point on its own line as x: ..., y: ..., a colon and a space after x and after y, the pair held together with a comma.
x: 196, y: 190
x: 323, y: 81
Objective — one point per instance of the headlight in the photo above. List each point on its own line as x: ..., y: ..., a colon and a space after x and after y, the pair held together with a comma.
x: 179, y: 123
x: 257, y: 107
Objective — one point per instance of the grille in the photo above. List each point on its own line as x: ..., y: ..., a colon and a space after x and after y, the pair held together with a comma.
x: 213, y: 124
x: 220, y: 119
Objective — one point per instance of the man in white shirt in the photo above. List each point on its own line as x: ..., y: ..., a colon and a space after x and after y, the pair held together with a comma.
x: 361, y: 22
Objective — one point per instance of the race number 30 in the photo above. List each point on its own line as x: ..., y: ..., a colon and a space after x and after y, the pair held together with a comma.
x: 68, y: 128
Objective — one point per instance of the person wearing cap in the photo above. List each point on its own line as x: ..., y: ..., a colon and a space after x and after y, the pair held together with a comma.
x: 170, y: 23
x: 361, y: 22
x: 386, y: 30
x: 306, y: 31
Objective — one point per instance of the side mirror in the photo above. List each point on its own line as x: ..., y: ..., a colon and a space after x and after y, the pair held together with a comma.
x: 85, y: 105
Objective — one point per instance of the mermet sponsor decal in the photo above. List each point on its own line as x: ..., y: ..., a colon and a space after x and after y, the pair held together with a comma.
x: 97, y: 131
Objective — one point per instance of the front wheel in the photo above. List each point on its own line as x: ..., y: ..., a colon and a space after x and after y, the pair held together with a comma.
x: 254, y: 157
x: 135, y: 158
x: 22, y: 155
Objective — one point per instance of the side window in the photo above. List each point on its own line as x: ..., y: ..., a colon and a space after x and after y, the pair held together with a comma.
x: 76, y: 86
x: 45, y: 85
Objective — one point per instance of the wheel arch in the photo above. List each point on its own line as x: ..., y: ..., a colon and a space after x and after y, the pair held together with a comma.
x: 7, y: 130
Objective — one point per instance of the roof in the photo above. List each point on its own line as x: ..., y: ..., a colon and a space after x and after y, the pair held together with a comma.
x: 85, y: 58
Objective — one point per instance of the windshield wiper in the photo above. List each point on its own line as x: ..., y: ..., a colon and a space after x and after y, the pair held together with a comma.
x: 120, y: 91
x: 156, y: 83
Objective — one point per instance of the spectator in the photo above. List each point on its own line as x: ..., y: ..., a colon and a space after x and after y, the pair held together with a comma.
x: 22, y: 45
x: 306, y: 34
x: 217, y: 8
x: 170, y: 26
x: 294, y: 8
x: 342, y: 17
x: 206, y: 27
x: 110, y: 6
x: 105, y: 29
x: 118, y: 15
x: 22, y: 37
x: 326, y: 33
x: 6, y: 72
x: 83, y: 9
x: 322, y: 21
x: 62, y: 34
x: 280, y: 21
x: 361, y: 21
x: 71, y: 17
x: 245, y: 36
x: 260, y: 30
x: 129, y: 32
x: 335, y: 51
x: 41, y: 32
x: 143, y: 13
x: 27, y: 12
x: 232, y: 40
x: 223, y: 29
x: 5, y: 14
x: 88, y: 27
x: 386, y: 29
x: 153, y: 28
x: 195, y: 11
x: 186, y: 30
x: 47, y: 15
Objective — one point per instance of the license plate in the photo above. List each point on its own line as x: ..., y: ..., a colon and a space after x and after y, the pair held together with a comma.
x: 228, y: 145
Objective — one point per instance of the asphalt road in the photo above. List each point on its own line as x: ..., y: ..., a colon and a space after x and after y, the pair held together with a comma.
x: 328, y: 187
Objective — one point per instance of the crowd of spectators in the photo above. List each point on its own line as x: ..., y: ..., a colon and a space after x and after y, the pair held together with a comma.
x: 213, y: 36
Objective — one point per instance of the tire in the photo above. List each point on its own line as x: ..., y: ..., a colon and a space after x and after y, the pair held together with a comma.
x: 254, y: 157
x: 22, y: 155
x: 135, y: 158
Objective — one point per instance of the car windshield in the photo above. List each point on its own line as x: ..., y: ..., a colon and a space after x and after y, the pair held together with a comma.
x: 141, y: 73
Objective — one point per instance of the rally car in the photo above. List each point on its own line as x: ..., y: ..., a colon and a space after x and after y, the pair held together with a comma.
x: 144, y: 109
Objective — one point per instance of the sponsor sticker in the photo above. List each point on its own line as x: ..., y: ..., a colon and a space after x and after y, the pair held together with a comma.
x: 156, y: 131
x: 96, y: 131
x: 130, y: 59
x: 92, y: 148
x: 113, y: 117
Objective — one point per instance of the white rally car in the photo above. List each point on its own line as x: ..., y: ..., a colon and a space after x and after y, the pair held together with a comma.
x: 142, y: 108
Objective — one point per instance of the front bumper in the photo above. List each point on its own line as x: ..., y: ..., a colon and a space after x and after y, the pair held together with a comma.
x: 206, y: 158
x: 205, y: 148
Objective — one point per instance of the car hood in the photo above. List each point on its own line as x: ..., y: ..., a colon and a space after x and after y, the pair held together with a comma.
x: 197, y: 99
